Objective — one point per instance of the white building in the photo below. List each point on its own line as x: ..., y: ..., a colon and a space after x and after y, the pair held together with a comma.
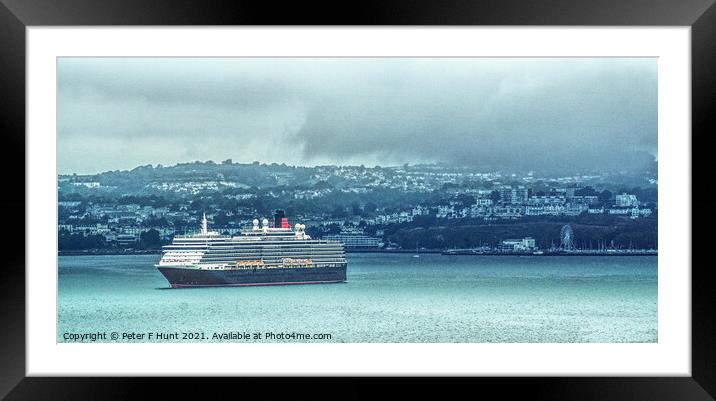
x: 547, y: 200
x: 545, y: 210
x: 518, y: 245
x: 478, y: 211
x: 626, y: 200
x: 420, y: 211
x: 86, y: 184
x: 445, y: 211
x: 511, y: 195
x: 575, y: 209
x: 508, y: 212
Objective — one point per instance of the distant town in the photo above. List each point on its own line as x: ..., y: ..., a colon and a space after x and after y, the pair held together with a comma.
x: 423, y: 207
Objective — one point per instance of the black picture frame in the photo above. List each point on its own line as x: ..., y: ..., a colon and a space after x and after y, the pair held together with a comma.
x: 16, y: 15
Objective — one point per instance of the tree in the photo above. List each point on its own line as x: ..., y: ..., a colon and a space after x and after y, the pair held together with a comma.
x: 586, y: 191
x: 465, y: 199
x: 370, y: 207
x: 150, y: 239
x: 355, y: 209
x: 156, y: 222
x: 322, y: 185
x: 338, y: 212
x: 69, y: 241
x: 220, y: 220
x: 196, y: 205
x: 370, y: 230
x: 332, y: 229
x: 605, y: 195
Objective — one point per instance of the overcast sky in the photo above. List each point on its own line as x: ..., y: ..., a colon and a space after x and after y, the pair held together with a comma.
x: 118, y: 113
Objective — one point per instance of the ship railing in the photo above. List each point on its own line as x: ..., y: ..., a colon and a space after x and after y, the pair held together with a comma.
x: 280, y: 266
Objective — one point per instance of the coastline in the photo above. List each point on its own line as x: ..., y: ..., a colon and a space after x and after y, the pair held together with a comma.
x: 99, y: 252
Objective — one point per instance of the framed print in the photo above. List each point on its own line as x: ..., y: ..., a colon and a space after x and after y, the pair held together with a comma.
x: 496, y: 195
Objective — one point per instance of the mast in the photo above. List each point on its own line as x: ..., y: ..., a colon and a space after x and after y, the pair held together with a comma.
x: 204, y: 225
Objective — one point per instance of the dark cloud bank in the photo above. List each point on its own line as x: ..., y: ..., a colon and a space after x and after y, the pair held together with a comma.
x: 497, y: 113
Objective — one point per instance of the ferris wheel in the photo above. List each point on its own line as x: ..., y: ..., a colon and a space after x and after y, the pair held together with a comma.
x: 566, y: 236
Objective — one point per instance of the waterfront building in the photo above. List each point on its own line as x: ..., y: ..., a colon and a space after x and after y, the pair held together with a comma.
x: 354, y: 240
x: 508, y: 212
x: 545, y: 210
x: 575, y: 209
x: 518, y: 245
x: 126, y: 239
x: 478, y: 211
x: 645, y: 212
x: 632, y: 212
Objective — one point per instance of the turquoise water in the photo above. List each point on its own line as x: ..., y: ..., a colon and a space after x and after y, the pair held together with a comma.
x: 388, y: 298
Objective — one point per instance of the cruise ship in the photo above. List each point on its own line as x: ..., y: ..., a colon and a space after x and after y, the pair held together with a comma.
x: 261, y: 255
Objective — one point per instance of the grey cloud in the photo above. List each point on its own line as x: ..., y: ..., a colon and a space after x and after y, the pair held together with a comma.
x: 581, y: 113
x: 526, y: 113
x: 211, y: 82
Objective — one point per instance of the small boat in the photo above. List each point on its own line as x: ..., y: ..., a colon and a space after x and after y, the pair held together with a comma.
x: 416, y: 256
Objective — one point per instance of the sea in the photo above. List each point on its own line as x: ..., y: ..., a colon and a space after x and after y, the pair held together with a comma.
x: 388, y: 298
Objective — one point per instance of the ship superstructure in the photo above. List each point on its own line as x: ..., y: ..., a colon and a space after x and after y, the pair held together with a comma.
x: 261, y: 255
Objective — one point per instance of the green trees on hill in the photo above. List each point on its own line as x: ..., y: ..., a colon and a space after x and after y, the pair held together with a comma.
x: 589, y: 233
x: 78, y: 241
x: 68, y: 241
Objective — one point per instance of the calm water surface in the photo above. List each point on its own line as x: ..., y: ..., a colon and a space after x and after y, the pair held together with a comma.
x: 388, y: 298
